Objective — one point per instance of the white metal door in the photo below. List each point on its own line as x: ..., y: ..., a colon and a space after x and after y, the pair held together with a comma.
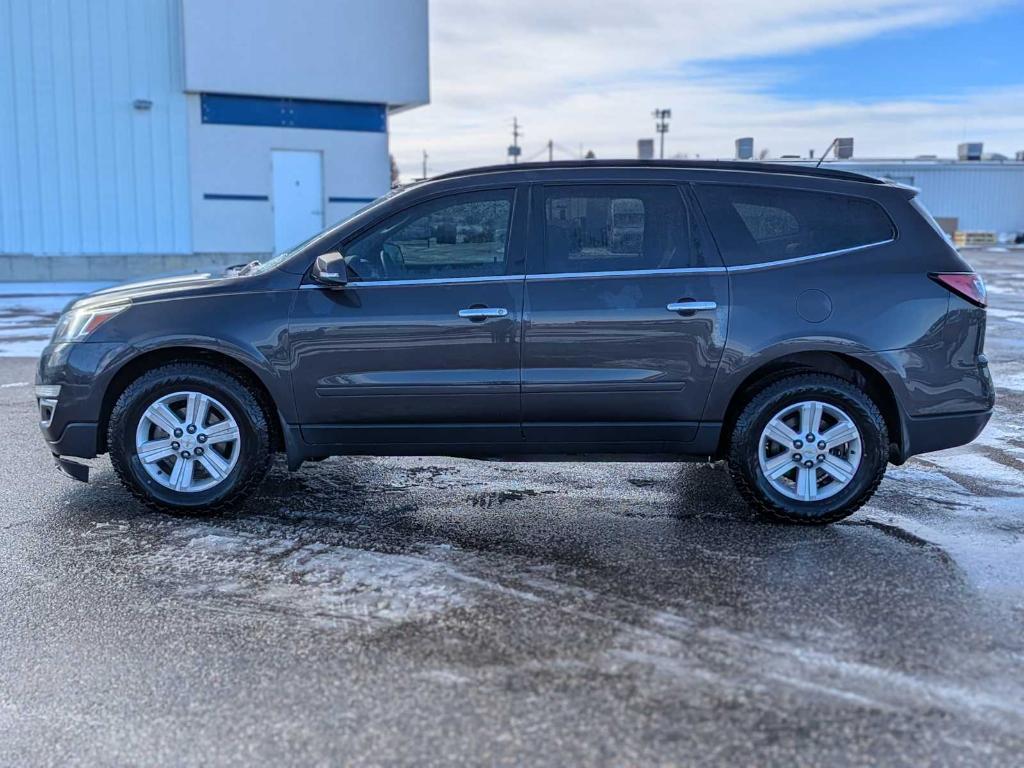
x: 298, y: 197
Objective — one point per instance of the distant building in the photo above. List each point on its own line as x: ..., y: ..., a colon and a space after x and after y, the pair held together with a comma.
x: 985, y: 195
x: 156, y: 135
x: 645, y: 149
x: 745, y: 148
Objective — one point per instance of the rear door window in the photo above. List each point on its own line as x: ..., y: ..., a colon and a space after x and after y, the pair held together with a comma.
x: 612, y: 228
x: 758, y: 224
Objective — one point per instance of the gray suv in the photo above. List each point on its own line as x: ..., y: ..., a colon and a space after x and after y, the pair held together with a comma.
x: 808, y: 326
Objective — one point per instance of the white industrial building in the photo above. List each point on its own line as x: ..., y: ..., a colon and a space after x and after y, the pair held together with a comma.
x: 146, y: 136
x: 974, y: 192
x: 980, y: 195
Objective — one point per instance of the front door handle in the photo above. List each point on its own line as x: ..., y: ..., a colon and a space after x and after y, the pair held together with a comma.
x: 482, y: 313
x: 691, y: 306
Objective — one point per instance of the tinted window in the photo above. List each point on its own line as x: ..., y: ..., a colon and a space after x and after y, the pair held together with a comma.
x: 603, y: 228
x: 458, y: 236
x: 755, y: 224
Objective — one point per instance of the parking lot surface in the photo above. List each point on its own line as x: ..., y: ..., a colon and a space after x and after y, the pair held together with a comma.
x: 428, y: 611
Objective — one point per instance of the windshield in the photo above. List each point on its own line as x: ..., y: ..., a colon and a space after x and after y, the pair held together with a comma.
x: 257, y: 268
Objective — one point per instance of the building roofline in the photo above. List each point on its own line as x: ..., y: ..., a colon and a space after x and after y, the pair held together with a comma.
x: 931, y: 161
x: 700, y: 165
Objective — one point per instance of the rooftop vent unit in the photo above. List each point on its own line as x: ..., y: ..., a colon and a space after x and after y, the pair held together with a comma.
x: 844, y: 148
x: 969, y: 150
x: 745, y: 148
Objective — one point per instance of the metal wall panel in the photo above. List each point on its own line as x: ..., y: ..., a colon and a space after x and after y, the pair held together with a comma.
x: 81, y: 170
x: 372, y: 51
x: 987, y: 196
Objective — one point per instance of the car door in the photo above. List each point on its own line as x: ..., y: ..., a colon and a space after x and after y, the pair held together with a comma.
x: 422, y: 346
x: 625, y: 318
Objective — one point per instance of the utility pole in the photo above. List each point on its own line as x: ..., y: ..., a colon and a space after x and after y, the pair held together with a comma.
x: 514, y: 151
x: 551, y: 150
x: 662, y: 117
x: 425, y: 163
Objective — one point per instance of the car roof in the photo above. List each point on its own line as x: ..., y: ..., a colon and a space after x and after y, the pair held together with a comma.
x: 702, y: 165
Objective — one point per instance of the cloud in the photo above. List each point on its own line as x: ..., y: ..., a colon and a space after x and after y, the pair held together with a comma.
x: 591, y: 72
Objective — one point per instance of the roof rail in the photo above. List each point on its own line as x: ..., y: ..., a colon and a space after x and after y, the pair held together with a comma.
x: 710, y: 165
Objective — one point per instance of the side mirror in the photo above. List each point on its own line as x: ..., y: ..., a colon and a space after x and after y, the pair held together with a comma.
x: 331, y: 270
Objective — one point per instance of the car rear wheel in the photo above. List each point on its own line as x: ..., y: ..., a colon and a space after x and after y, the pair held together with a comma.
x: 810, y: 448
x: 188, y: 437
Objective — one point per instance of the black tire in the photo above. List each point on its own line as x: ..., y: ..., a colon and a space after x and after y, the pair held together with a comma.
x: 745, y: 467
x: 254, y: 445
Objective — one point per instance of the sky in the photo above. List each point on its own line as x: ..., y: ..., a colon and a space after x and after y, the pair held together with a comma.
x: 903, y: 77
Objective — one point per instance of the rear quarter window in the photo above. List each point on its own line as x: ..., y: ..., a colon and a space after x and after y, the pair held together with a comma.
x: 759, y: 224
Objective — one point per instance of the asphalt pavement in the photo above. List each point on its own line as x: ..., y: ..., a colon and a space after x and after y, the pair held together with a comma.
x: 438, y: 611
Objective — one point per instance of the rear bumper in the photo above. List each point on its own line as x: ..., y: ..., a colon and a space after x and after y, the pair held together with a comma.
x: 923, y: 434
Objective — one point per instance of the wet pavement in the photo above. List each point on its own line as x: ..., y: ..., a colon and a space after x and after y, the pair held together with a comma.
x: 445, y: 611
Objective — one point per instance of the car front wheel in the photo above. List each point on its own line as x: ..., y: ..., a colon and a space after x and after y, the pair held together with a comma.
x: 810, y: 448
x: 188, y: 437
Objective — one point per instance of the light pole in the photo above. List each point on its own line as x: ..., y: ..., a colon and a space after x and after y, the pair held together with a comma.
x: 662, y: 117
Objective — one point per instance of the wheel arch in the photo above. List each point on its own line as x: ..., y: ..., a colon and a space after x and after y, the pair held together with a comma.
x: 848, y: 367
x: 146, y: 360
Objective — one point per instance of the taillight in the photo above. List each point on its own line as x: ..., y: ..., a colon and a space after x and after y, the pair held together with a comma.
x: 967, y: 285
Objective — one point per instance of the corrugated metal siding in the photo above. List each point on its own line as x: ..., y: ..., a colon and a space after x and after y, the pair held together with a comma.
x: 81, y: 170
x: 988, y: 197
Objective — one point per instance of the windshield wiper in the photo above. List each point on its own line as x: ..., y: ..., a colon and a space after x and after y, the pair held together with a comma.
x: 246, y: 269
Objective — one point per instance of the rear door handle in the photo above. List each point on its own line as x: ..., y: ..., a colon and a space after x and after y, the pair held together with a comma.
x: 482, y: 313
x: 691, y: 306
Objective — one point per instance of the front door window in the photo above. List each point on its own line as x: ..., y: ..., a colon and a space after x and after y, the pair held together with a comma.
x: 459, y: 236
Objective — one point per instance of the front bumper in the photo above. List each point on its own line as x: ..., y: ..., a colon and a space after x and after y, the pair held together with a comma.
x: 70, y: 423
x: 80, y: 439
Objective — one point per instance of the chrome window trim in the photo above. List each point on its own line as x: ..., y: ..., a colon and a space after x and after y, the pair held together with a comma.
x: 809, y: 257
x: 629, y: 273
x: 424, y: 281
x: 710, y: 270
x: 620, y: 273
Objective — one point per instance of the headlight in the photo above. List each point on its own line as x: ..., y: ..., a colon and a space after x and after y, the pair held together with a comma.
x: 78, y: 324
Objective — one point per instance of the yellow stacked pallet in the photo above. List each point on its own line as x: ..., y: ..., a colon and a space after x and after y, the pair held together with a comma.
x: 963, y: 238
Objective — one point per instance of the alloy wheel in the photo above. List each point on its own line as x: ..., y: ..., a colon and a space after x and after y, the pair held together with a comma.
x: 810, y: 451
x: 188, y: 441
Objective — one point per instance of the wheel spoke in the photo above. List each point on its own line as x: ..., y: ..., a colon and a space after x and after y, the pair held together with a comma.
x: 154, y: 450
x: 810, y: 417
x: 838, y: 469
x: 215, y: 464
x: 181, y: 474
x: 222, y: 432
x: 840, y: 434
x: 163, y: 417
x: 197, y: 408
x: 780, y: 433
x: 778, y: 466
x: 807, y: 484
x: 185, y: 478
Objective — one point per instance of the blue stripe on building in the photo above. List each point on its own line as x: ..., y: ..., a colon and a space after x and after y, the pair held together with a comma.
x: 217, y: 196
x: 350, y: 199
x: 293, y: 113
